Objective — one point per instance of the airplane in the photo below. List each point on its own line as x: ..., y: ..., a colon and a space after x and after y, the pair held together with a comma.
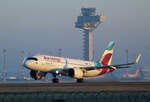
x: 40, y: 65
x: 131, y: 76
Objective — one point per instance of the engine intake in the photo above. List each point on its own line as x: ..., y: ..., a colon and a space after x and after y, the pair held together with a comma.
x: 75, y: 73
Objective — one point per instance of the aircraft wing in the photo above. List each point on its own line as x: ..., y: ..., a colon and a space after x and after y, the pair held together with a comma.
x: 123, y: 65
x: 64, y: 71
x: 118, y: 66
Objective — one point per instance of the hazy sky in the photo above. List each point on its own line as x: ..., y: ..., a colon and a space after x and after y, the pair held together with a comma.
x: 44, y: 26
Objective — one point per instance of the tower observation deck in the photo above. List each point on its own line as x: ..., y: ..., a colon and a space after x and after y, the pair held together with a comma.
x: 88, y: 21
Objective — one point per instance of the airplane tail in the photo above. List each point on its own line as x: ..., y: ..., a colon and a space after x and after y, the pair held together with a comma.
x: 137, y: 73
x: 107, y: 55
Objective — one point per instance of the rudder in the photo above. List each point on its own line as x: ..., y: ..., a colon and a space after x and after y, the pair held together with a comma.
x: 107, y: 55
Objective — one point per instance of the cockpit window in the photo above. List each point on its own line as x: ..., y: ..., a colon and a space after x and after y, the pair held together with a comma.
x: 32, y: 58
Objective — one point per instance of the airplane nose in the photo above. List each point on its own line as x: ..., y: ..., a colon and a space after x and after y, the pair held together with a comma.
x: 26, y: 64
x: 30, y: 62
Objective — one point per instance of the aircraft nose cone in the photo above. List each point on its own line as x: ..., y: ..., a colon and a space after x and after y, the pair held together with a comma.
x: 27, y: 64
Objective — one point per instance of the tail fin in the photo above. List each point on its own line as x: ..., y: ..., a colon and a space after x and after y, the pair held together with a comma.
x: 137, y: 73
x: 107, y: 55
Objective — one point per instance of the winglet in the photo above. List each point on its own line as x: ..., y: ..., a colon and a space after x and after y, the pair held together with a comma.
x: 137, y: 59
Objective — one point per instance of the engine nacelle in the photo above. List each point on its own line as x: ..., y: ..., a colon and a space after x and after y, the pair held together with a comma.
x: 37, y: 75
x: 75, y: 73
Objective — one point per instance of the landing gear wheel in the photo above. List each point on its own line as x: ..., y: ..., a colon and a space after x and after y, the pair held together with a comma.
x: 33, y: 74
x: 79, y: 80
x: 55, y: 80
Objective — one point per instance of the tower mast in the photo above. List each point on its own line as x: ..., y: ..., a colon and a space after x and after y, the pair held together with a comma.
x: 88, y: 21
x: 5, y: 69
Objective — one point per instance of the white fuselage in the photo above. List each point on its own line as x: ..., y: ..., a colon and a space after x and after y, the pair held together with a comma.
x: 46, y: 63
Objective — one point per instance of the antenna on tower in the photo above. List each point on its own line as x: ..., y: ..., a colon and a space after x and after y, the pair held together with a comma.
x: 127, y: 52
x: 22, y: 71
x: 5, y: 70
x: 60, y: 52
x: 88, y: 21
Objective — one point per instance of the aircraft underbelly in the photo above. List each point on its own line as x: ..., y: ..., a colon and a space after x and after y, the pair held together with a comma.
x: 91, y: 73
x: 97, y: 72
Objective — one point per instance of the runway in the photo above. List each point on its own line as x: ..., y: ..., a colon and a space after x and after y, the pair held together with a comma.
x: 76, y: 87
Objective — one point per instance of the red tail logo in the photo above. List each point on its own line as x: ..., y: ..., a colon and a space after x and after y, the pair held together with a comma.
x: 106, y: 59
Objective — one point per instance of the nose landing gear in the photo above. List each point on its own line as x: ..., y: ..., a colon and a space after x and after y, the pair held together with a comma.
x: 55, y: 80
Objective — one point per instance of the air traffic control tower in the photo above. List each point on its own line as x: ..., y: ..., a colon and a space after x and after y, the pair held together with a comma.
x: 88, y: 21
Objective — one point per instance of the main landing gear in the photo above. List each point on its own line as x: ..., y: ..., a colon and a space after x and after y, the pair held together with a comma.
x: 79, y: 80
x: 55, y: 80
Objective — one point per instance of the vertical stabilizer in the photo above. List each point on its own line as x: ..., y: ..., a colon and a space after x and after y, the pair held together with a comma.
x: 137, y: 73
x: 107, y: 55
